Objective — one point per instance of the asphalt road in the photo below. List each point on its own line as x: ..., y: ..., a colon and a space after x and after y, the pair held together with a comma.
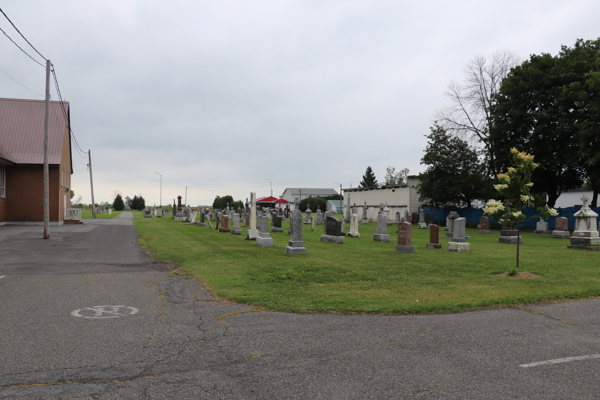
x: 169, y: 339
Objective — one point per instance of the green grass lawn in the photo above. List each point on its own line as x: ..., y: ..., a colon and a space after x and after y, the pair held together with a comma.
x: 87, y: 214
x: 366, y: 276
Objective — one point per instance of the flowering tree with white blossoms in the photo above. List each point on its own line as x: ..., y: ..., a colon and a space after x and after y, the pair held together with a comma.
x: 515, y: 187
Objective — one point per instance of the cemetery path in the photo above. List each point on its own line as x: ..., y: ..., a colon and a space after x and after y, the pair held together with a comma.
x: 88, y: 315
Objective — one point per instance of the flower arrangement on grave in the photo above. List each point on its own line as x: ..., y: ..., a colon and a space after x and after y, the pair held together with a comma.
x: 515, y: 187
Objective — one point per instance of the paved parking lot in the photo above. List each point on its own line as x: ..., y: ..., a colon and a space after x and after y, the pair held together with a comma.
x: 87, y: 314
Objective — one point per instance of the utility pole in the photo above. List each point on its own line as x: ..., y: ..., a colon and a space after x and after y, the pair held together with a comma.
x: 46, y: 184
x: 92, y: 183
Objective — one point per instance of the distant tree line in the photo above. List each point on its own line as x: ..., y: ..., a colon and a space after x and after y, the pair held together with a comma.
x: 221, y: 202
x: 137, y: 203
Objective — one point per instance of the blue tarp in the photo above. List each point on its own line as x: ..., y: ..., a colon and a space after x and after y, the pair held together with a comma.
x: 472, y: 215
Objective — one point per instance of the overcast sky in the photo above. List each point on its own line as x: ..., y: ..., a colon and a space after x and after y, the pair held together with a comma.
x: 220, y: 96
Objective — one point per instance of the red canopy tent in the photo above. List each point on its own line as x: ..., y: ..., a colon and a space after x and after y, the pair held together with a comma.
x: 270, y: 201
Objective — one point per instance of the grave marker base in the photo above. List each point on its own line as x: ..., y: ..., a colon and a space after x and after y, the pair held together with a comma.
x: 295, y: 250
x: 588, y: 248
x: 381, y: 237
x: 561, y: 235
x: 236, y: 231
x: 458, y: 247
x: 510, y: 239
x: 404, y: 249
x: 585, y: 241
x: 434, y: 246
x: 264, y: 241
x: 332, y: 239
x: 252, y: 234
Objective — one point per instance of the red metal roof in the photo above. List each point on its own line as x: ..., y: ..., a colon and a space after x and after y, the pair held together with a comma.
x: 22, y: 130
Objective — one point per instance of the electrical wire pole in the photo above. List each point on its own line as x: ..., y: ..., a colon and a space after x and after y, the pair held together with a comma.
x: 92, y: 184
x: 46, y: 184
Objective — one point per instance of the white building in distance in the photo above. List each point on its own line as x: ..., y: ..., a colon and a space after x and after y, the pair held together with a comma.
x: 291, y: 194
x: 398, y: 198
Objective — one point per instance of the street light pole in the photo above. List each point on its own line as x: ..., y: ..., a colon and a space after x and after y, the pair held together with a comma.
x: 271, y: 186
x: 160, y: 189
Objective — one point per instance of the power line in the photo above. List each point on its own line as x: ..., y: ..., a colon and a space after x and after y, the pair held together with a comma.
x: 64, y: 111
x: 4, y: 72
x: 27, y: 54
x: 6, y: 16
x: 62, y: 106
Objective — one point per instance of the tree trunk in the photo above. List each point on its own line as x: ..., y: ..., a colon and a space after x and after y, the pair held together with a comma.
x: 595, y: 199
x: 552, y: 197
x: 518, y: 243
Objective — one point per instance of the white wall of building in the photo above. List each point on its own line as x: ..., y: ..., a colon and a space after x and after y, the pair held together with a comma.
x: 572, y: 198
x: 398, y: 199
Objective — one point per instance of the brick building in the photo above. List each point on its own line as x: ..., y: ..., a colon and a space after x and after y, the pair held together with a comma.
x: 22, y: 161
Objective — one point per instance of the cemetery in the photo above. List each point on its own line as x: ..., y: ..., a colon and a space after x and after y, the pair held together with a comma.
x: 390, y: 268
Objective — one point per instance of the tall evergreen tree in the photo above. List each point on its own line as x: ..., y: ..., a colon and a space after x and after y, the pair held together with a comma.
x: 141, y: 203
x: 118, y: 204
x: 368, y: 179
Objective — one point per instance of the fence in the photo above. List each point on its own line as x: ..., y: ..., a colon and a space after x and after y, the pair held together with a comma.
x: 472, y: 215
x: 73, y: 213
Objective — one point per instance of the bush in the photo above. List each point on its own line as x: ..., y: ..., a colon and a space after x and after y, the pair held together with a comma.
x: 118, y: 204
x: 313, y: 203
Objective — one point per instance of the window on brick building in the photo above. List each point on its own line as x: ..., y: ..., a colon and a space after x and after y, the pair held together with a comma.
x: 2, y: 181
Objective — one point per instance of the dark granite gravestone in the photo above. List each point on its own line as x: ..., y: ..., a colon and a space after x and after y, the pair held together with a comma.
x: 276, y: 223
x: 334, y: 226
x: 333, y: 231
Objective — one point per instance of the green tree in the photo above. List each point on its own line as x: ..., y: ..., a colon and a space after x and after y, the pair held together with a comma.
x: 533, y: 112
x: 141, y: 204
x: 221, y: 202
x: 368, y: 179
x: 582, y: 63
x: 515, y: 187
x: 454, y: 174
x: 134, y: 202
x: 118, y: 203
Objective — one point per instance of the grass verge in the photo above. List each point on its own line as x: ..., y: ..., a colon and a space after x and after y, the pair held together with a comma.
x: 366, y: 276
x: 87, y: 214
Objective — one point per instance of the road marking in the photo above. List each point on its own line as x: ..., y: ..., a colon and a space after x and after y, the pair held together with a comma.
x: 2, y: 276
x: 559, y: 360
x: 103, y: 312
